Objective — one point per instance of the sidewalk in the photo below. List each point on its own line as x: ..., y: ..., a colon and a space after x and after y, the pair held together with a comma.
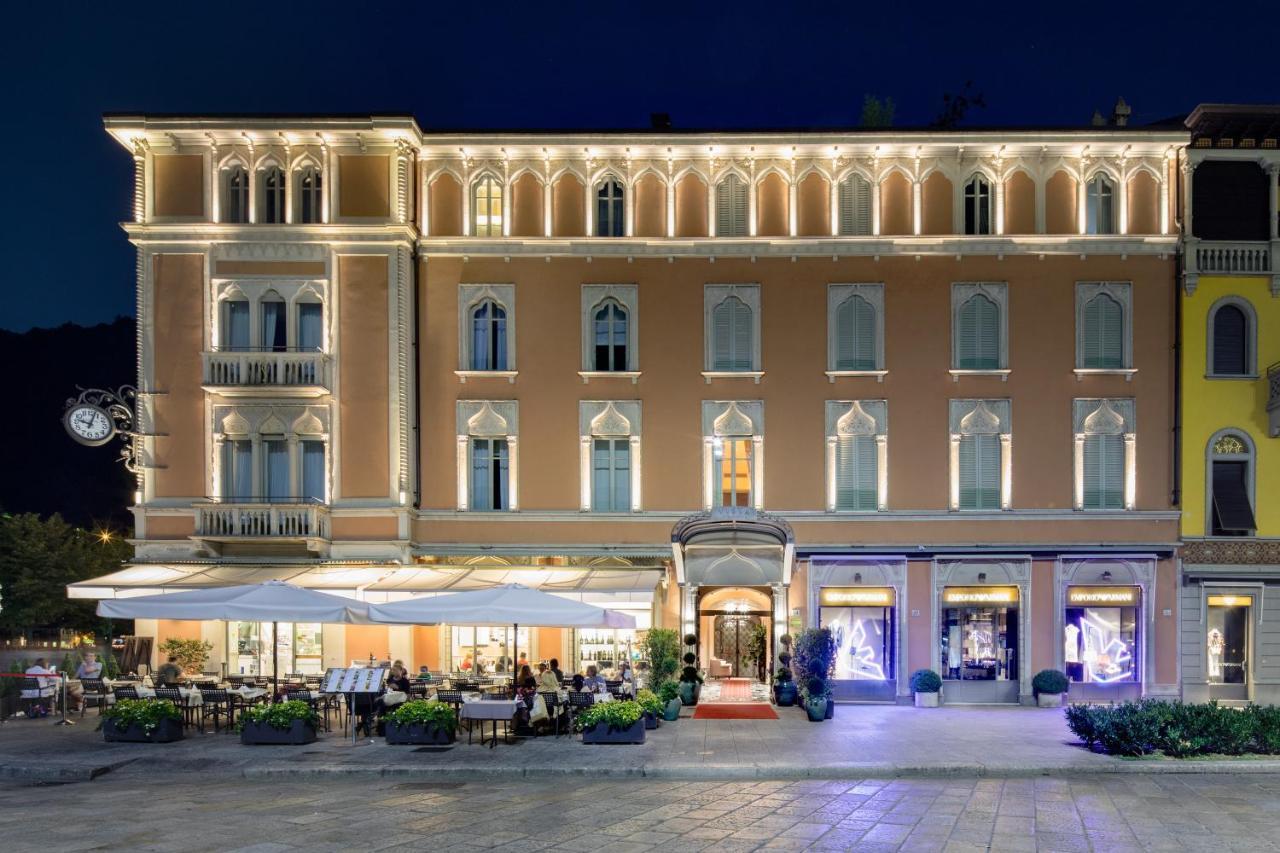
x: 862, y: 741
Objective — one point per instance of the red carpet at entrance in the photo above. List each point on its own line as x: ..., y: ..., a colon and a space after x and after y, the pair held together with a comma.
x: 734, y: 711
x: 735, y: 690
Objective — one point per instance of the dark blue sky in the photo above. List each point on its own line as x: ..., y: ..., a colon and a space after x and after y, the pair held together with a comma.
x: 551, y: 65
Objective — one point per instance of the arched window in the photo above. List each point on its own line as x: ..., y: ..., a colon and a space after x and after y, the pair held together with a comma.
x: 486, y: 208
x: 609, y: 214
x: 490, y: 474
x: 1100, y: 210
x: 1102, y: 338
x: 271, y: 209
x: 275, y: 336
x: 310, y: 189
x: 732, y: 329
x: 488, y: 336
x: 310, y: 325
x: 609, y: 329
x: 855, y: 205
x: 731, y: 207
x: 235, y: 195
x: 856, y: 335
x: 1231, y: 345
x: 978, y: 334
x: 1230, y: 485
x: 235, y: 325
x: 977, y: 206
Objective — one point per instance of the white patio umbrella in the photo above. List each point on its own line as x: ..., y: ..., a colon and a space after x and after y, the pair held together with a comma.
x: 511, y: 604
x: 271, y: 601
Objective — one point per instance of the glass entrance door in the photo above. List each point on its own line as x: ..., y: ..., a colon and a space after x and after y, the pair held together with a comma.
x: 1227, y: 646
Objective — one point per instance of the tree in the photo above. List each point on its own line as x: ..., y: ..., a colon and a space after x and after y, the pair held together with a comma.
x: 876, y: 112
x: 38, y: 558
x: 956, y: 106
x: 663, y: 648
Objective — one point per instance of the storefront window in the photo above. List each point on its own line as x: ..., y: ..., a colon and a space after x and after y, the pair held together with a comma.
x: 300, y: 649
x: 486, y: 650
x: 862, y: 625
x: 1100, y: 635
x: 979, y: 633
x: 1227, y: 639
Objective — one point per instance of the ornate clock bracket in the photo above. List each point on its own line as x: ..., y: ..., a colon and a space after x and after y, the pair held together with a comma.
x: 119, y: 406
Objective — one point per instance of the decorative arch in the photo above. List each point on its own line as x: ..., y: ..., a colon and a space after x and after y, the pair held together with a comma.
x: 308, y: 424
x: 1216, y: 349
x: 1233, y: 446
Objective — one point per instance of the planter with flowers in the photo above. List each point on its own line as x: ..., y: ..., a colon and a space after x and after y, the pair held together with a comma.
x: 651, y: 706
x: 422, y: 722
x: 612, y: 722
x: 142, y: 721
x: 293, y: 723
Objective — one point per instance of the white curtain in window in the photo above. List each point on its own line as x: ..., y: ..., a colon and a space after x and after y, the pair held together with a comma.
x: 235, y: 325
x: 237, y: 470
x: 310, y: 326
x: 313, y: 471
x: 489, y: 474
x: 489, y: 337
x: 276, y: 471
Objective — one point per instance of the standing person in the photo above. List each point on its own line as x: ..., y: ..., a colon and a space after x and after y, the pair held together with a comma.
x: 555, y: 670
x: 168, y: 673
x: 46, y: 688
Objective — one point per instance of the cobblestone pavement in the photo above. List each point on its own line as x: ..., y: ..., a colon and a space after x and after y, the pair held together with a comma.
x: 1113, y: 813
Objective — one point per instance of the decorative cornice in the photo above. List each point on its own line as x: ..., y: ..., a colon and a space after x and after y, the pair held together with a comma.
x: 1240, y: 552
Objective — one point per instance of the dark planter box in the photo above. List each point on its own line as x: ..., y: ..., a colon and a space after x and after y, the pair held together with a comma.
x: 418, y: 733
x: 650, y: 720
x: 602, y: 733
x: 260, y: 733
x: 166, y: 731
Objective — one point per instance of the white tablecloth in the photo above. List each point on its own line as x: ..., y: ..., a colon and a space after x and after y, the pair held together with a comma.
x: 248, y: 693
x: 190, y: 696
x: 489, y: 709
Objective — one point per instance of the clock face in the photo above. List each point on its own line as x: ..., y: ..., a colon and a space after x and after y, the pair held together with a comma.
x: 89, y: 425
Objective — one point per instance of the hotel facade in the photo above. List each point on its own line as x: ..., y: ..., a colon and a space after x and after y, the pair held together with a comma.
x: 914, y: 386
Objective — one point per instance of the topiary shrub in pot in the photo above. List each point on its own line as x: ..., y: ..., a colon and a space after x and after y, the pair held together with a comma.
x: 815, y: 703
x: 815, y: 657
x: 422, y: 722
x: 142, y: 721
x: 612, y: 722
x: 784, y: 688
x: 652, y: 707
x: 690, y: 678
x: 1048, y: 687
x: 292, y: 723
x: 926, y: 687
x: 669, y: 693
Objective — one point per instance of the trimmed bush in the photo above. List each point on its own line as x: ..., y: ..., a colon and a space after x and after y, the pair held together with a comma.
x: 1176, y: 729
x: 1050, y: 682
x: 424, y: 712
x: 649, y: 701
x: 146, y: 714
x: 925, y: 681
x: 667, y: 691
x: 1266, y: 728
x: 689, y: 658
x: 691, y: 639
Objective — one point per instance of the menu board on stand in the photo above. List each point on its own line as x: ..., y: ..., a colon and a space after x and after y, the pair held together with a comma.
x: 353, y: 680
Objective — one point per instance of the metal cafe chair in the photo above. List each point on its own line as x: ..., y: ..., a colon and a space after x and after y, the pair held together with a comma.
x: 174, y: 695
x: 555, y: 714
x: 95, y: 690
x: 453, y: 698
x: 579, y: 700
x: 125, y: 691
x: 219, y: 703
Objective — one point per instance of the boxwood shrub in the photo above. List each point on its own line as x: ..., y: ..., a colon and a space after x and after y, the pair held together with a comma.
x: 616, y: 715
x: 1176, y: 729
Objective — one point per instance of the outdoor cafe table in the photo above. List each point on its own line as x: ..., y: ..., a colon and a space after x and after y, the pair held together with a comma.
x: 190, y: 696
x: 492, y: 710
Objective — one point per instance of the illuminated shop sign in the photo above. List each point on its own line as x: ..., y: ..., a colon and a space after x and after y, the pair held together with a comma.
x: 855, y: 596
x: 980, y: 595
x: 1114, y: 596
x: 1231, y: 601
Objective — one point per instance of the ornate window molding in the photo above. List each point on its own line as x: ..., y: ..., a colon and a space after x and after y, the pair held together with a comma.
x: 293, y: 292
x: 471, y: 297
x: 998, y: 294
x: 258, y: 423
x: 1105, y: 417
x: 1230, y: 444
x: 714, y: 296
x: 854, y: 420
x: 739, y: 419
x: 1122, y: 293
x: 594, y: 296
x: 611, y: 419
x: 975, y: 418
x: 488, y: 419
x: 837, y: 296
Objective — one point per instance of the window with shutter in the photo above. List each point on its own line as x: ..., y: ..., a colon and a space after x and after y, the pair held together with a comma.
x: 855, y: 206
x: 1103, y: 335
x: 611, y: 475
x: 489, y: 474
x: 856, y: 473
x: 1232, y: 509
x: 1103, y: 472
x: 978, y: 335
x: 731, y: 207
x: 856, y: 335
x: 979, y: 472
x: 1231, y: 345
x: 732, y: 327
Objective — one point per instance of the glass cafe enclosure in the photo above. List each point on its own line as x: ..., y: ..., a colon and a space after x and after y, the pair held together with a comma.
x: 298, y: 645
x: 978, y: 634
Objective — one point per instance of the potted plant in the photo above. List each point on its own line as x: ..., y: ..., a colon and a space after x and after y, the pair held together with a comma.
x: 669, y: 693
x: 142, y: 721
x: 292, y: 722
x: 690, y: 678
x: 815, y: 702
x: 612, y: 722
x: 1048, y: 687
x: 757, y: 653
x: 815, y: 658
x: 926, y: 685
x: 422, y: 722
x: 784, y: 687
x: 651, y: 706
x: 663, y: 647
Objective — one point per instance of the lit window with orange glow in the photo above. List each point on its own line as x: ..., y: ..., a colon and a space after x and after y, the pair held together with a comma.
x: 736, y: 468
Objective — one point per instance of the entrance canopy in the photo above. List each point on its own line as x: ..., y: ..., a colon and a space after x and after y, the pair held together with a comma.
x: 512, y: 604
x: 266, y: 602
x: 733, y: 546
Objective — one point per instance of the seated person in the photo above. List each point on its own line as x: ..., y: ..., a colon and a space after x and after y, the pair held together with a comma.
x: 547, y: 680
x: 46, y: 688
x: 168, y: 673
x: 578, y: 684
x: 594, y: 680
x: 90, y: 667
x: 554, y: 666
x: 397, y: 679
x: 424, y: 673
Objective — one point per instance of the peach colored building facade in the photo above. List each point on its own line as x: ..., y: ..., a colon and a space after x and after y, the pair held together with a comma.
x: 915, y: 386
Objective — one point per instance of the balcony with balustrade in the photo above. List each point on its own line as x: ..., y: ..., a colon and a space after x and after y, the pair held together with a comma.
x: 277, y: 373
x: 298, y: 521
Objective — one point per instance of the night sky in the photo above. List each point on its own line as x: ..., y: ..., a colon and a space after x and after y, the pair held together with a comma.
x: 542, y: 65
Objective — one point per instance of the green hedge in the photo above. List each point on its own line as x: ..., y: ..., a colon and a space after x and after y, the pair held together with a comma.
x: 1176, y: 729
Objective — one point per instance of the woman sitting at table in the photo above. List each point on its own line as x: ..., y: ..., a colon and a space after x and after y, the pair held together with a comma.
x: 578, y: 684
x: 595, y: 681
x: 546, y: 679
x: 397, y: 679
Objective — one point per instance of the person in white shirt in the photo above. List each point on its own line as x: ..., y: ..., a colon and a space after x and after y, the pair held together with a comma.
x: 594, y: 681
x: 47, y: 688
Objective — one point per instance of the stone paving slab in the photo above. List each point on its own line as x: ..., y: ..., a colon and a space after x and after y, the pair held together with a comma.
x: 862, y: 741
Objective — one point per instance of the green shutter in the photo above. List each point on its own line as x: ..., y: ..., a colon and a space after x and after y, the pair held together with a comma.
x: 721, y: 325
x: 1104, y: 472
x: 856, y: 474
x: 1103, y: 336
x: 980, y: 472
x: 742, y: 334
x: 731, y: 207
x: 978, y: 335
x: 855, y: 206
x: 855, y: 335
